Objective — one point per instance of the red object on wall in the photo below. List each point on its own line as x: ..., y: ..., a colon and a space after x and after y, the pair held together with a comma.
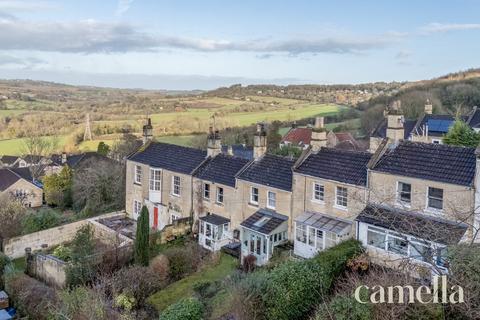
x: 155, y: 218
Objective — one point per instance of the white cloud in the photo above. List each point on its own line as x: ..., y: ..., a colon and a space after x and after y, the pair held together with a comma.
x: 122, y: 7
x: 447, y: 27
x: 25, y: 5
x: 90, y: 36
x: 9, y: 60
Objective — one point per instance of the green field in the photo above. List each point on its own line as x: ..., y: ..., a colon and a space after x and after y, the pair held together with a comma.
x: 16, y: 146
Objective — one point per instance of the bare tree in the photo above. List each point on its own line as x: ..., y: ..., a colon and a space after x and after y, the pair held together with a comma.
x: 36, y: 151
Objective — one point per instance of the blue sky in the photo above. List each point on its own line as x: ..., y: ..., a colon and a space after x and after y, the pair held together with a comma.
x: 205, y: 44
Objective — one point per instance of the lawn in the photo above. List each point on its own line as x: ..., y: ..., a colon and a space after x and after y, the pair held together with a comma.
x: 184, y: 287
x: 15, y: 146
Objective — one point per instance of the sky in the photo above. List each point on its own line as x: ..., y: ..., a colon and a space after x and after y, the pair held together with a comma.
x: 186, y: 45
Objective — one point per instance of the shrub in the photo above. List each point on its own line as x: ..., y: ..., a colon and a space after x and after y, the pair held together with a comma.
x: 344, y: 308
x: 81, y: 270
x: 292, y: 289
x: 125, y: 301
x: 31, y: 297
x: 81, y: 303
x: 142, y: 243
x: 4, y: 262
x: 247, y: 295
x: 184, y: 261
x: 137, y: 282
x: 291, y: 293
x: 63, y: 253
x: 12, y: 213
x: 41, y: 220
x: 186, y: 309
x: 161, y: 266
x: 249, y: 263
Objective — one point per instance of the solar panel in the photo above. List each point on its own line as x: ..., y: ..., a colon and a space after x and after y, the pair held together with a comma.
x: 439, y: 125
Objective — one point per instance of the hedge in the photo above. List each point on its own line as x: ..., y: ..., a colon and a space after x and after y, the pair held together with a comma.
x: 293, y: 289
x: 186, y: 309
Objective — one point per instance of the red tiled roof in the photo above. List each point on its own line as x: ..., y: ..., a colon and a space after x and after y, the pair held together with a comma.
x: 298, y: 135
x: 344, y: 136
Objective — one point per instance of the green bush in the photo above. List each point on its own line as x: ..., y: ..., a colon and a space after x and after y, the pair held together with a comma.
x: 81, y: 270
x: 63, y: 253
x: 293, y: 289
x: 142, y: 242
x: 186, y: 309
x: 41, y: 220
x: 4, y: 261
x: 344, y: 308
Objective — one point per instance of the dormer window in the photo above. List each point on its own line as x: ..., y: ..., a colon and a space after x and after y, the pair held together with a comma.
x: 138, y: 174
x: 435, y: 198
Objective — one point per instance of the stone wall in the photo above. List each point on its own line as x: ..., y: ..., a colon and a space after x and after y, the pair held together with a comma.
x: 178, y: 228
x: 38, y: 241
x: 15, y: 247
x: 47, y: 268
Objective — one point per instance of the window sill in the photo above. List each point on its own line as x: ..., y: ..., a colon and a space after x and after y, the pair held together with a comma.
x: 175, y: 195
x: 433, y: 210
x: 253, y: 204
x: 318, y: 201
x: 137, y: 184
x: 402, y: 204
x: 220, y: 204
x: 206, y: 199
x: 340, y: 207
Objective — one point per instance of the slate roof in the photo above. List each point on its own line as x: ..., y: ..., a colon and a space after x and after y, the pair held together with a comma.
x: 171, y: 157
x: 416, y: 224
x: 430, y: 161
x: 9, y: 176
x: 239, y: 150
x: 275, y: 220
x: 8, y: 160
x: 474, y: 118
x: 298, y: 136
x: 215, y: 219
x: 270, y: 170
x: 339, y: 165
x: 381, y: 130
x: 221, y: 169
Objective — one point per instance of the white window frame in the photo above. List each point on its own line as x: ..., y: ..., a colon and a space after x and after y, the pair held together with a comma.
x: 321, y: 192
x: 257, y: 194
x: 155, y: 179
x: 337, y: 205
x: 399, y: 195
x: 138, y: 174
x: 220, y: 195
x: 137, y: 210
x: 271, y: 200
x: 174, y: 184
x: 174, y: 217
x: 205, y: 191
x: 427, y: 205
x: 410, y: 240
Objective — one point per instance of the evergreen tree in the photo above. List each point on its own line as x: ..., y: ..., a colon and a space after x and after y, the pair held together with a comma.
x: 103, y: 148
x: 142, y: 238
x: 58, y: 188
x: 460, y: 134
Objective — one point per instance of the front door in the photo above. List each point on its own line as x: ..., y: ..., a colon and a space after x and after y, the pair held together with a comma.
x: 155, y: 218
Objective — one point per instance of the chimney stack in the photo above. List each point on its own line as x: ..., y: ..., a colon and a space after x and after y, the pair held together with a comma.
x: 214, y: 143
x: 230, y: 151
x: 147, y: 131
x: 395, y: 121
x: 319, y: 135
x: 260, y: 141
x: 428, y: 107
x: 64, y: 157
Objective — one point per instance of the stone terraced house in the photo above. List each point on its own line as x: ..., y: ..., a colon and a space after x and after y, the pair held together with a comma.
x: 405, y: 201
